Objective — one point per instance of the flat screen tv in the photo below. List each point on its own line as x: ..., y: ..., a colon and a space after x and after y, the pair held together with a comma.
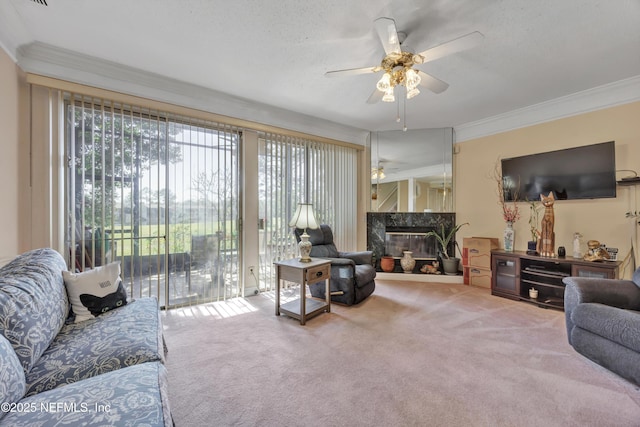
x: 587, y: 172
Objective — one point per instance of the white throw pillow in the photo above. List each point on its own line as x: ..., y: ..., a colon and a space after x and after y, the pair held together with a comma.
x: 95, y: 291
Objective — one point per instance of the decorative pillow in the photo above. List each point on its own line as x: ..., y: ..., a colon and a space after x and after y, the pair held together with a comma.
x: 95, y: 291
x: 12, y: 382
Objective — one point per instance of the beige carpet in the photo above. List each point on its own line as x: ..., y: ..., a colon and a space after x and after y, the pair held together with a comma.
x: 412, y: 354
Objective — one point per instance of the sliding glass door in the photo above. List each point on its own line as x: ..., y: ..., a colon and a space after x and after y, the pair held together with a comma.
x: 158, y: 193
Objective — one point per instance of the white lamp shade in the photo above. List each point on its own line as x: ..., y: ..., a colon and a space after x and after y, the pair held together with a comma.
x: 304, y: 218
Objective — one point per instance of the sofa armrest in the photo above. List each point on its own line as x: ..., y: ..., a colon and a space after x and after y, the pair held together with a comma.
x: 623, y: 294
x: 361, y: 257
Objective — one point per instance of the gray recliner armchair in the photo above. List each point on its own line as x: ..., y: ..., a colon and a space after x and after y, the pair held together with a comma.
x: 352, y: 273
x: 603, y: 322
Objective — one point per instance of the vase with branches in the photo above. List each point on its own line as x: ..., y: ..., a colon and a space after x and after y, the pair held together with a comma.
x: 510, y: 209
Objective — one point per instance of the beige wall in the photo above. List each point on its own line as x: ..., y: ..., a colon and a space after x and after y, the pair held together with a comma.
x: 11, y: 89
x: 23, y: 165
x: 476, y: 199
x: 602, y: 219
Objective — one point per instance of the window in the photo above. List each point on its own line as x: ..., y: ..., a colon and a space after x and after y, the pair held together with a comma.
x: 293, y: 170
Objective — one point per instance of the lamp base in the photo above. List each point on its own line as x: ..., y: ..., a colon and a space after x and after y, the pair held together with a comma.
x: 305, y: 247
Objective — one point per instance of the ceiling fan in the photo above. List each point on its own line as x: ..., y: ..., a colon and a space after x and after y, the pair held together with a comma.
x: 398, y: 64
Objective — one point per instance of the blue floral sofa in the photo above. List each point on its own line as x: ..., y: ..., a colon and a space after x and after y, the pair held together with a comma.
x: 108, y: 370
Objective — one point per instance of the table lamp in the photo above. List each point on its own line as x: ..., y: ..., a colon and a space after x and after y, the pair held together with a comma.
x: 304, y: 218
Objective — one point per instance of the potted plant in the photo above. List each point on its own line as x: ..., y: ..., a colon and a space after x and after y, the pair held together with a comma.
x: 449, y: 261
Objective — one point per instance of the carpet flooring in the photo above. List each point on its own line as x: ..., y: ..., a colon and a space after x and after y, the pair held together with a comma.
x: 412, y: 354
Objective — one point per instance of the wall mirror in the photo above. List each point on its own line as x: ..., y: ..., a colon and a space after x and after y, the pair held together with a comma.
x: 411, y: 171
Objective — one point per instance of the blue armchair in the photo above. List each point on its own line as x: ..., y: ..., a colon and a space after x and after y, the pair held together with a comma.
x: 603, y: 322
x: 352, y: 273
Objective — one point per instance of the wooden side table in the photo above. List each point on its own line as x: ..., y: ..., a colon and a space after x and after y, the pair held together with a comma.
x: 304, y: 273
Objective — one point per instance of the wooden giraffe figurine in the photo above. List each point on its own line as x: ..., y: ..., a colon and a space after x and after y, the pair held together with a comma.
x: 547, y: 240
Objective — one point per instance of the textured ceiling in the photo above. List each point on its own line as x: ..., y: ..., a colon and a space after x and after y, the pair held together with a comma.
x: 276, y: 52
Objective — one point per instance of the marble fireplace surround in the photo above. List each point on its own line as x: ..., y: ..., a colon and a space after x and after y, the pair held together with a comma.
x: 378, y: 223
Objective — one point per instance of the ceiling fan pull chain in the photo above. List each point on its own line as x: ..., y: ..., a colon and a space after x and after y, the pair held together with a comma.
x: 404, y: 113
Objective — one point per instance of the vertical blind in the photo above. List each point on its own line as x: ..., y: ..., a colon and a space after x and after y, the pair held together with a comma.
x: 157, y: 192
x: 294, y: 170
x: 161, y: 192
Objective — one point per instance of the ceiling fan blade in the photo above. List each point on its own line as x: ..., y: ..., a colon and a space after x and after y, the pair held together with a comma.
x: 352, y: 71
x: 386, y: 29
x: 461, y: 43
x: 431, y: 83
x: 376, y: 96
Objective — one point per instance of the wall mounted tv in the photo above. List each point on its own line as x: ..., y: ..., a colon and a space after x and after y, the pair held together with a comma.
x: 587, y: 172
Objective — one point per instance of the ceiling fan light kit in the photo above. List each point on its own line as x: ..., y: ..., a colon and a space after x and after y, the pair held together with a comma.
x: 377, y: 174
x: 398, y: 71
x: 398, y: 64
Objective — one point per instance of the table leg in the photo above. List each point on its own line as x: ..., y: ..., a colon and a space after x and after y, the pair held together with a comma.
x: 328, y: 294
x: 303, y: 296
x: 278, y: 291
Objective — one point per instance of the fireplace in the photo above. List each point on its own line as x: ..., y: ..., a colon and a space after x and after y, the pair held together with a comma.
x: 414, y: 240
x: 391, y: 233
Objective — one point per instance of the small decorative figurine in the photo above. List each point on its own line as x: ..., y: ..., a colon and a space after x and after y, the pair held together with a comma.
x: 433, y: 268
x: 596, y: 251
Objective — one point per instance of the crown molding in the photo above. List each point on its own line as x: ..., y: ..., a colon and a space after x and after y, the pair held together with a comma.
x: 598, y: 98
x: 51, y: 61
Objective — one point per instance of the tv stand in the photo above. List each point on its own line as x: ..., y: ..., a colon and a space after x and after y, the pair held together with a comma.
x: 513, y: 274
